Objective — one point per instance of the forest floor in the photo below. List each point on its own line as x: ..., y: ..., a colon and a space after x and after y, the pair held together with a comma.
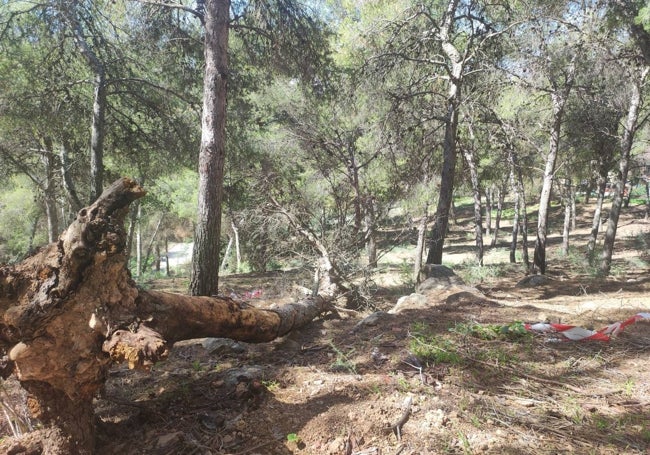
x: 440, y: 371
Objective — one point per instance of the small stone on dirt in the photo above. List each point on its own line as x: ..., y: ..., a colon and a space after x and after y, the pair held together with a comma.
x: 169, y: 439
x: 222, y: 346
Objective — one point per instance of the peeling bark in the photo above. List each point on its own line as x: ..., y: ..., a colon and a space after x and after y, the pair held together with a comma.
x: 71, y: 309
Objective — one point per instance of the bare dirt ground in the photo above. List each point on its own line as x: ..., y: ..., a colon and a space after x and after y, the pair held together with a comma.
x: 433, y: 378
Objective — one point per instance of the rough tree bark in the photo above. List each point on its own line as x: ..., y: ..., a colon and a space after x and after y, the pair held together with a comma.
x: 630, y: 128
x: 72, y: 309
x: 212, y: 155
x: 559, y: 100
x: 445, y: 197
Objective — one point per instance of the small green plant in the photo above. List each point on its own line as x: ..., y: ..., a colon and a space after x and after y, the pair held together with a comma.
x: 271, y: 386
x: 601, y: 423
x: 645, y: 434
x: 467, y: 449
x: 512, y: 331
x: 293, y: 437
x: 219, y: 367
x: 628, y: 387
x: 196, y: 366
x: 374, y: 389
x: 472, y: 273
x: 342, y: 362
x: 403, y: 385
x: 406, y: 274
x: 431, y: 348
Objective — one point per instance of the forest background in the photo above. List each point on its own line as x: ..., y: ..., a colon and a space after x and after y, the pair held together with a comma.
x: 343, y: 120
x: 329, y: 141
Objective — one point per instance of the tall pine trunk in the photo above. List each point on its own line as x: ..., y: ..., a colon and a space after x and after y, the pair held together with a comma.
x: 212, y: 155
x: 539, y: 257
x: 630, y: 128
x: 566, y: 229
x: 439, y: 229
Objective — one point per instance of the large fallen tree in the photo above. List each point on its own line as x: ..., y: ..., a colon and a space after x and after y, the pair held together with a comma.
x: 71, y: 309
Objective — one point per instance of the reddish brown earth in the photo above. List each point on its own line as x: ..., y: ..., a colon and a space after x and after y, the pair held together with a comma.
x: 336, y: 387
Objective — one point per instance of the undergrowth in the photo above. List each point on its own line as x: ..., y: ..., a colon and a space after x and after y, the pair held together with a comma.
x: 454, y: 348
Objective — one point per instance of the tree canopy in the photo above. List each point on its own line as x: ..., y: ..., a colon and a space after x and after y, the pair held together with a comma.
x: 339, y: 114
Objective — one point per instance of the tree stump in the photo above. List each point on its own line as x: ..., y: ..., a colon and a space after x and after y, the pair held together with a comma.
x: 71, y: 309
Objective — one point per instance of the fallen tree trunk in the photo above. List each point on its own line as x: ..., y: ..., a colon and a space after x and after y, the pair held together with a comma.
x: 71, y: 309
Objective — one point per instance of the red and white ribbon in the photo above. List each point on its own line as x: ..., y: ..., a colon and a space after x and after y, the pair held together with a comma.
x: 573, y: 333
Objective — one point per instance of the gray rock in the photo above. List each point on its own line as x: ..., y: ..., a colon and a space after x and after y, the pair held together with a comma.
x: 245, y: 373
x: 410, y: 302
x: 222, y: 346
x: 532, y: 281
x: 371, y: 320
x: 437, y: 277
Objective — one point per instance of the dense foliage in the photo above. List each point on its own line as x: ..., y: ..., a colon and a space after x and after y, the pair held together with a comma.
x: 347, y: 122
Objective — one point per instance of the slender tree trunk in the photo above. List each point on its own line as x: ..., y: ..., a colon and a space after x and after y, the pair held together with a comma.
x: 452, y: 212
x: 97, y: 129
x: 419, y: 249
x: 138, y: 242
x: 328, y: 275
x: 68, y: 182
x: 539, y: 258
x: 497, y: 221
x: 371, y: 234
x: 52, y: 214
x: 445, y: 197
x: 590, y: 188
x: 595, y: 225
x: 627, y: 140
x: 353, y: 169
x: 647, y: 199
x: 515, y: 232
x: 488, y: 211
x: 167, y: 257
x: 49, y: 191
x: 226, y: 254
x: 32, y: 233
x: 147, y: 255
x: 517, y: 186
x: 567, y: 217
x: 212, y: 155
x: 476, y: 194
x: 572, y: 201
x: 237, y: 248
x: 97, y: 134
x: 600, y: 183
x: 524, y: 231
x: 133, y: 224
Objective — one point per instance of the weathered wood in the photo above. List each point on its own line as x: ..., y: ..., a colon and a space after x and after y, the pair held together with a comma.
x: 71, y: 309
